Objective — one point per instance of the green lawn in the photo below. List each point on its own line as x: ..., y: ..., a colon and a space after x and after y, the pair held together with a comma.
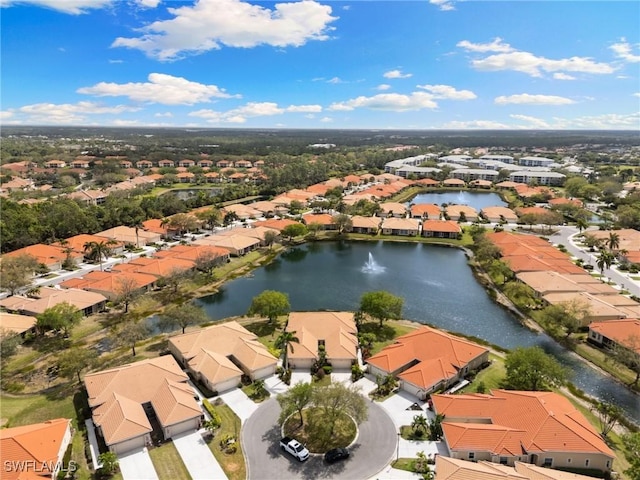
x: 491, y: 376
x: 168, y: 462
x: 232, y: 464
x: 602, y: 360
x: 27, y: 409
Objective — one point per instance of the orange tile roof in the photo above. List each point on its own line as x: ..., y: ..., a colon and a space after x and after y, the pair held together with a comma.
x: 431, y: 209
x: 337, y: 329
x: 542, y: 422
x: 47, y: 254
x: 275, y: 223
x: 625, y: 332
x: 38, y: 446
x: 440, y: 351
x: 447, y: 226
x: 193, y: 252
x: 323, y: 219
x: 78, y: 242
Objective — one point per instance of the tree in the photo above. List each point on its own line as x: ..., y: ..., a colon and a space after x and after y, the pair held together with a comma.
x: 343, y: 222
x: 72, y: 362
x: 382, y: 305
x: 529, y: 219
x: 109, y: 462
x: 530, y: 368
x: 337, y: 400
x: 295, y: 400
x: 608, y: 414
x: 131, y: 333
x: 582, y: 224
x: 592, y: 241
x: 9, y: 342
x: 183, y: 222
x: 97, y: 251
x: 229, y: 218
x: 294, y: 230
x: 631, y: 442
x: 571, y: 315
x: 295, y: 207
x: 62, y: 316
x: 613, y: 242
x: 270, y: 304
x: 313, y: 228
x: 627, y: 355
x: 16, y: 272
x: 182, y: 316
x: 284, y: 343
x: 435, y: 428
x: 210, y: 217
x: 420, y: 424
x: 127, y: 290
x: 270, y: 237
x: 604, y: 260
x: 573, y: 186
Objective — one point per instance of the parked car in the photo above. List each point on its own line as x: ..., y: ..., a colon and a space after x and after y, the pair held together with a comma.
x: 336, y: 454
x: 295, y: 448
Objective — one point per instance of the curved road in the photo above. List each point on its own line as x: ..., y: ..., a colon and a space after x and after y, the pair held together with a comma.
x: 372, y: 451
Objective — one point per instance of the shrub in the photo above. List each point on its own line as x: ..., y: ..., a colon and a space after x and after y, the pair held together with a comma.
x: 356, y: 372
x: 215, y: 418
x: 327, y: 369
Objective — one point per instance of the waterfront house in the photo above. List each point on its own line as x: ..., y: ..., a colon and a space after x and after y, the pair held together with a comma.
x: 400, y: 226
x: 441, y: 229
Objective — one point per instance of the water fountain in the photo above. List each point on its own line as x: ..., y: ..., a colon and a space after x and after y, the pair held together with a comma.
x: 462, y: 198
x: 371, y: 266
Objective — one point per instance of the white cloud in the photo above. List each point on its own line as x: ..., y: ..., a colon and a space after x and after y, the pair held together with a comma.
x: 396, y: 74
x: 210, y: 24
x: 335, y: 80
x: 149, y: 3
x: 394, y: 102
x: 326, y: 119
x: 165, y: 114
x: 304, y: 108
x: 447, y: 92
x: 533, y: 122
x: 563, y: 76
x: 611, y: 121
x: 528, y: 99
x: 444, y: 5
x: 530, y: 64
x: 73, y: 7
x: 623, y: 50
x: 637, y: 94
x: 383, y: 86
x: 250, y: 110
x: 68, y: 113
x: 116, y: 61
x: 161, y: 88
x: 4, y: 114
x: 476, y: 124
x: 495, y: 46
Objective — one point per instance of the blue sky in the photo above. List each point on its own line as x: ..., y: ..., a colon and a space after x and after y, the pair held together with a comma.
x: 421, y: 64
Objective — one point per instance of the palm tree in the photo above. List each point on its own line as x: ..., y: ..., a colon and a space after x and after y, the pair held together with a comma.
x: 284, y: 342
x: 582, y: 224
x: 613, y: 242
x: 604, y: 260
x: 420, y: 424
x: 137, y: 226
x: 98, y: 250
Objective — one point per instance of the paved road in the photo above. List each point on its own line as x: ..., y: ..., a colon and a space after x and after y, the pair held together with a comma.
x: 374, y: 449
x: 564, y: 236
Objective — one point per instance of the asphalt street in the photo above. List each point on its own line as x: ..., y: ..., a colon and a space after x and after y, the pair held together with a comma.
x: 373, y: 449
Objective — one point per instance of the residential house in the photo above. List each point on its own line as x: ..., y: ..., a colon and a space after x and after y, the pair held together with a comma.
x: 243, y: 212
x: 220, y: 355
x: 441, y: 229
x: 324, y: 219
x: 90, y: 197
x: 112, y: 284
x: 546, y: 282
x: 157, y: 266
x: 598, y: 307
x: 541, y: 178
x: 336, y: 332
x: 144, y: 164
x: 427, y: 182
x: 55, y: 164
x: 613, y: 334
x: 78, y: 244
x: 46, y: 297
x: 454, y: 182
x: 400, y: 226
x: 462, y: 213
x: 186, y: 177
x: 427, y: 360
x: 186, y: 163
x: 428, y: 211
x: 205, y: 163
x: 243, y: 164
x: 540, y: 428
x: 166, y: 163
x: 360, y: 224
x: 393, y: 209
x: 130, y: 235
x: 535, y: 161
x: 224, y: 164
x: 48, y: 255
x: 485, y: 184
x: 468, y: 174
x: 275, y: 223
x: 448, y: 468
x: 237, y: 244
x: 15, y: 323
x: 35, y: 451
x: 195, y: 253
x: 16, y: 184
x: 499, y: 214
x: 125, y: 401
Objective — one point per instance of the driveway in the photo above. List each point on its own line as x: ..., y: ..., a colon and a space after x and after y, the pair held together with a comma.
x: 372, y: 451
x: 238, y: 401
x: 137, y: 465
x: 197, y: 457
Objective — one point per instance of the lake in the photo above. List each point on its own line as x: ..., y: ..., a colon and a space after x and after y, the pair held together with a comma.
x: 477, y: 200
x: 436, y: 283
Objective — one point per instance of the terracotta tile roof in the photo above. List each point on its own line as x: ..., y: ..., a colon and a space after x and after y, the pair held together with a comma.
x: 47, y: 254
x: 37, y: 445
x: 447, y: 226
x: 393, y: 223
x: 394, y: 208
x: 337, y: 329
x: 496, y: 212
x: 225, y: 339
x: 531, y: 263
x: 438, y: 352
x: 16, y: 323
x: 453, y: 181
x: 455, y: 210
x: 544, y: 421
x: 78, y: 242
x: 318, y: 189
x: 275, y: 223
x: 112, y: 282
x: 49, y: 297
x: 193, y: 252
x: 431, y: 209
x: 454, y: 469
x: 427, y: 181
x: 365, y: 222
x: 532, y: 210
x: 121, y: 418
x: 215, y: 367
x: 323, y: 219
x: 232, y: 242
x: 174, y: 402
x: 161, y: 266
x: 625, y: 332
x: 598, y: 306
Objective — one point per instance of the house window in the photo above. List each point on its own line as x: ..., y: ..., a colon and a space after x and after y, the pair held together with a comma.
x: 547, y: 462
x: 568, y: 460
x: 586, y: 462
x: 608, y: 464
x: 503, y: 460
x: 472, y: 455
